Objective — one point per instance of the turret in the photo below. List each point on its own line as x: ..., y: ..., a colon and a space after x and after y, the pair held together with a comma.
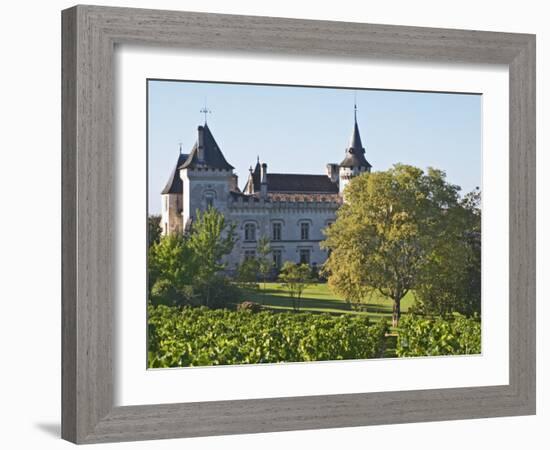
x: 354, y: 162
x: 172, y: 200
x: 206, y: 176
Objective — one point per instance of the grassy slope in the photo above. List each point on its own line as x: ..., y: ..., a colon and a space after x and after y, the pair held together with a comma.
x: 319, y: 298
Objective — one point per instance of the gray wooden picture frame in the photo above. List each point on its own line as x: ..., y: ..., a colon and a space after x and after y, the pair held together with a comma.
x: 90, y: 34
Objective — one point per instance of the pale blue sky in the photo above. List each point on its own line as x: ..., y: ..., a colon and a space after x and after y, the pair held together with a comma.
x: 301, y: 129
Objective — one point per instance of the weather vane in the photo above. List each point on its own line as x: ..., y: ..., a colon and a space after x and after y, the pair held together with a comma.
x: 205, y: 111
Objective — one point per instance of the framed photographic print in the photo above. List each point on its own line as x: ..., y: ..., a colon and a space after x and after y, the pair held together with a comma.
x: 278, y: 224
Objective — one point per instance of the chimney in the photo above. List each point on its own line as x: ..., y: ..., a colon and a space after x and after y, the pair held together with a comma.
x: 332, y: 172
x: 263, y: 186
x: 200, y: 148
x: 234, y: 183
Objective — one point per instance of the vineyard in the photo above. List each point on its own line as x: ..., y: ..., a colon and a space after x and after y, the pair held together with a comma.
x: 434, y: 337
x: 183, y: 337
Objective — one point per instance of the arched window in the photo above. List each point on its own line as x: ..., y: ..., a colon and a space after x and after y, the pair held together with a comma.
x: 209, y: 201
x: 249, y: 232
x: 209, y: 197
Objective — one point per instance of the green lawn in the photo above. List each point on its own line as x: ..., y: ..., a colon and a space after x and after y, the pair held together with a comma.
x: 319, y: 298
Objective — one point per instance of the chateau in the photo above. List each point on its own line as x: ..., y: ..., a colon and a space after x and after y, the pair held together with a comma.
x: 290, y: 209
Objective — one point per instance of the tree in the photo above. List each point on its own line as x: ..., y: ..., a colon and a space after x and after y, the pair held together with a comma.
x: 153, y: 229
x: 385, y: 231
x: 211, y: 239
x: 170, y: 263
x: 247, y: 274
x: 263, y: 250
x: 185, y: 269
x: 296, y: 278
x: 452, y: 278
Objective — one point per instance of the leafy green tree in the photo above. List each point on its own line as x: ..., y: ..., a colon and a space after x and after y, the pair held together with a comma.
x: 153, y: 229
x: 386, y: 230
x: 171, y: 264
x: 247, y: 274
x: 211, y: 238
x: 265, y: 264
x: 452, y: 278
x: 296, y: 278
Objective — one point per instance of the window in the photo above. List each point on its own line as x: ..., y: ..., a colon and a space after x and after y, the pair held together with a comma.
x: 277, y: 258
x: 277, y: 231
x: 166, y: 203
x: 209, y: 201
x: 304, y: 231
x: 249, y: 254
x: 249, y: 232
x: 304, y: 256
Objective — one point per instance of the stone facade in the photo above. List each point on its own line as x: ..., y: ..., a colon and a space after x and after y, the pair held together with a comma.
x: 291, y: 210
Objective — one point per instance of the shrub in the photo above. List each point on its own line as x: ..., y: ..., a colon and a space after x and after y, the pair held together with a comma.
x: 163, y: 292
x: 431, y: 337
x: 181, y: 337
x: 218, y: 292
x: 249, y: 306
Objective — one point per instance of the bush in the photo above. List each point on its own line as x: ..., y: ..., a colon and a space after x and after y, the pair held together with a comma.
x: 182, y: 337
x: 433, y: 337
x: 249, y: 306
x: 164, y: 293
x: 216, y: 293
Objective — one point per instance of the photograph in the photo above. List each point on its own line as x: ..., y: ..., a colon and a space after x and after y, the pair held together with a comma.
x: 266, y: 225
x: 297, y: 224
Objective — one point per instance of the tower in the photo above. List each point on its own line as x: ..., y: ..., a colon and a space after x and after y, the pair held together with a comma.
x: 172, y: 200
x: 207, y: 178
x: 354, y: 162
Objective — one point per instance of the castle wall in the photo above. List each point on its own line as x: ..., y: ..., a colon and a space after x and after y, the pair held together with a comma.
x: 290, y: 216
x: 206, y: 186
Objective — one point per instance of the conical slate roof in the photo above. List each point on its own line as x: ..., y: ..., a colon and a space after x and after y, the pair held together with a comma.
x: 355, y: 153
x: 355, y: 140
x: 174, y: 184
x: 213, y: 156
